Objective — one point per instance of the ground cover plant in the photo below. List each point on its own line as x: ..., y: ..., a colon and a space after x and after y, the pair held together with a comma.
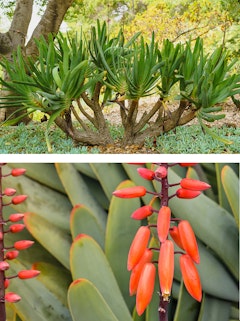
x: 71, y: 74
x: 87, y: 221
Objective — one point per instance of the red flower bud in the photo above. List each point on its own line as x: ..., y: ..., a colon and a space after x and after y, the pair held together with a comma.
x: 1, y: 236
x: 130, y: 192
x: 18, y: 199
x: 9, y: 191
x: 137, y: 270
x: 145, y: 287
x: 163, y: 223
x: 16, y: 217
x: 188, y: 240
x: 187, y: 164
x: 174, y: 232
x: 161, y: 172
x: 166, y: 268
x: 146, y: 173
x: 12, y: 297
x: 18, y: 171
x: 6, y: 283
x: 142, y: 212
x: 11, y: 255
x: 4, y: 266
x: 194, y: 184
x: 23, y: 244
x: 28, y: 274
x: 187, y: 193
x: 138, y: 246
x: 15, y: 228
x: 191, y: 277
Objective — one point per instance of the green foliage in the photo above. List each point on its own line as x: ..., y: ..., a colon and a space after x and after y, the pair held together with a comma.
x: 81, y: 248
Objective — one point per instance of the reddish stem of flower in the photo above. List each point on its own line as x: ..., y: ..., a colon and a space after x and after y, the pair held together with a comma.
x: 2, y: 275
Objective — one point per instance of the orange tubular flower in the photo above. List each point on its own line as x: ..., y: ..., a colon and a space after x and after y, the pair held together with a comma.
x: 18, y: 199
x: 138, y: 247
x: 166, y: 268
x: 188, y: 240
x: 142, y: 212
x: 194, y: 184
x: 12, y: 297
x: 130, y: 192
x: 15, y: 228
x: 187, y: 164
x: 145, y: 287
x: 146, y: 173
x: 18, y: 171
x: 163, y: 223
x: 191, y: 277
x: 28, y: 274
x: 187, y: 193
x: 174, y: 232
x: 23, y: 244
x: 137, y: 270
x: 161, y: 172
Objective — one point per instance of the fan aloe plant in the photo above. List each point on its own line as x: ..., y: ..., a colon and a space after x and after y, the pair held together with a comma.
x: 82, y: 236
x: 79, y: 76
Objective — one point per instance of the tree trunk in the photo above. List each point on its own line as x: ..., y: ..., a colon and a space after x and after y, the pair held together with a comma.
x: 17, y: 33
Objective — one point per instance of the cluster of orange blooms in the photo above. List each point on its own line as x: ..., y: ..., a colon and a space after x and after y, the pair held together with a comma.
x: 140, y: 258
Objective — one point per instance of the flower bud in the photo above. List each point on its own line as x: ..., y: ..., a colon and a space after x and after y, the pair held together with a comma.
x: 145, y: 287
x: 194, y: 184
x: 4, y: 266
x: 138, y: 246
x: 142, y: 212
x: 1, y: 236
x: 191, y: 277
x: 161, y: 172
x: 137, y: 270
x: 188, y: 240
x: 18, y: 171
x: 130, y: 192
x: 146, y: 173
x: 174, y: 232
x: 187, y: 164
x: 10, y: 255
x: 6, y: 283
x: 18, y: 199
x: 16, y: 217
x: 163, y: 223
x: 9, y: 191
x: 15, y: 228
x: 23, y: 244
x: 186, y: 193
x: 28, y: 274
x: 166, y: 268
x: 12, y: 297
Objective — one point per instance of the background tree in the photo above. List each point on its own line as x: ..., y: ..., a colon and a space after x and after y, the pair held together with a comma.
x: 16, y: 36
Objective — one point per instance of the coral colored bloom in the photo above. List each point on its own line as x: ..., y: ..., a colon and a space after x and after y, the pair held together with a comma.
x: 1, y: 236
x: 18, y: 199
x: 142, y: 212
x: 23, y: 244
x: 161, y: 172
x: 11, y: 255
x: 194, y: 184
x: 137, y: 270
x: 16, y: 217
x: 130, y: 192
x: 166, y: 268
x: 186, y: 193
x: 191, y: 277
x: 138, y: 246
x: 4, y: 266
x: 188, y: 240
x: 146, y: 173
x: 9, y: 191
x: 18, y: 171
x: 28, y: 274
x: 187, y: 164
x: 6, y: 283
x: 15, y: 228
x: 12, y: 297
x: 163, y: 223
x: 145, y: 288
x: 174, y: 232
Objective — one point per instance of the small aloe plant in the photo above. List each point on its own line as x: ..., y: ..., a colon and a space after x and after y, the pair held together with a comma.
x: 11, y: 225
x: 169, y: 230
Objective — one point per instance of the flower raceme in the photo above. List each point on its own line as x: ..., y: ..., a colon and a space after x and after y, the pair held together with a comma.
x: 140, y: 258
